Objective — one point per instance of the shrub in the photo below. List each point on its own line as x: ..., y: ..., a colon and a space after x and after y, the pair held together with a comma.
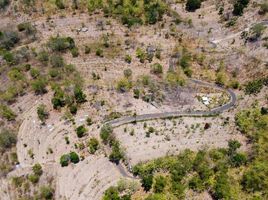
x: 156, y: 68
x: 255, y: 178
x: 105, y: 133
x: 238, y: 159
x: 127, y: 73
x: 80, y: 97
x: 263, y: 8
x: 37, y: 169
x: 58, y: 99
x: 141, y: 55
x: 253, y: 87
x: 75, y: 52
x: 56, y: 61
x: 39, y: 85
x: 42, y: 113
x: 111, y: 194
x: 123, y: 85
x: 7, y: 139
x: 80, y: 131
x: 128, y: 59
x: 64, y: 160
x: 222, y: 187
x: 33, y: 178
x: 160, y: 184
x: 255, y: 32
x: 117, y: 153
x: 3, y: 3
x: 87, y: 49
x: 147, y: 182
x: 73, y: 109
x: 7, y: 113
x: 27, y: 27
x: 239, y: 6
x: 59, y: 4
x: 93, y: 145
x: 8, y: 39
x: 192, y: 5
x: 43, y: 57
x: 46, y: 192
x: 34, y: 73
x: 99, y: 52
x: 74, y: 158
x: 61, y: 44
x: 89, y: 121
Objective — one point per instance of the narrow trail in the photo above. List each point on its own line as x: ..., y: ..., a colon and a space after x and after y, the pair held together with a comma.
x: 138, y: 118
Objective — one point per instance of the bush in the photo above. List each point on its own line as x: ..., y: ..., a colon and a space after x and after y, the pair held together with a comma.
x: 128, y: 59
x: 80, y: 131
x: 105, y: 133
x: 222, y: 187
x: 239, y: 6
x: 56, y: 61
x: 39, y: 86
x: 253, y: 87
x: 43, y: 57
x: 93, y: 145
x: 192, y: 5
x: 255, y: 178
x: 61, y: 44
x: 160, y: 184
x: 117, y: 153
x: 127, y: 73
x: 123, y: 85
x: 156, y: 69
x: 80, y: 97
x: 58, y: 99
x: 8, y: 39
x: 73, y: 109
x: 7, y: 139
x: 33, y: 178
x: 42, y: 113
x: 27, y: 27
x: 46, y: 192
x: 34, y: 73
x: 74, y: 158
x: 64, y: 160
x: 3, y: 3
x: 7, y: 113
x: 141, y: 55
x: 263, y: 8
x: 147, y: 182
x: 87, y: 49
x: 111, y: 194
x: 75, y: 52
x: 99, y: 52
x: 89, y: 121
x: 37, y: 169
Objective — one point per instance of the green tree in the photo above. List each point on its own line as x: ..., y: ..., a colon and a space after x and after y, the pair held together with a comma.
x: 111, y: 194
x: 39, y: 85
x: 64, y: 160
x: 117, y: 153
x: 80, y: 131
x: 74, y: 158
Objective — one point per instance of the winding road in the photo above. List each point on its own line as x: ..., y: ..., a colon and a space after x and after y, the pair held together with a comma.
x: 215, y: 111
x: 138, y: 118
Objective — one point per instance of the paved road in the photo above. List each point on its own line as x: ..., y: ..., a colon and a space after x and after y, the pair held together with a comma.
x: 130, y: 119
x: 163, y: 115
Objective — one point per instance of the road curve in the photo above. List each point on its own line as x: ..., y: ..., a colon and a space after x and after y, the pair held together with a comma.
x: 138, y: 118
